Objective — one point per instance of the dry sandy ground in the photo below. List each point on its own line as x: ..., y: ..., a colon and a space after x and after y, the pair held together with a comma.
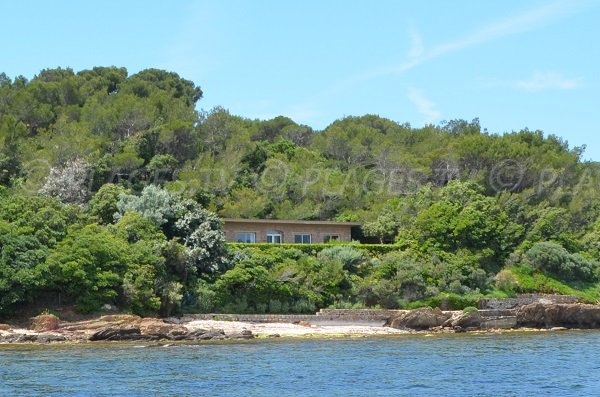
x: 287, y: 329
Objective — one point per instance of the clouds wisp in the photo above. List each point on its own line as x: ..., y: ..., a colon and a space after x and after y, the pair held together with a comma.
x: 424, y: 106
x: 547, y: 81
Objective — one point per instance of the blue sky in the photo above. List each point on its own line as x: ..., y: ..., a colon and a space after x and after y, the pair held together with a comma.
x: 513, y: 64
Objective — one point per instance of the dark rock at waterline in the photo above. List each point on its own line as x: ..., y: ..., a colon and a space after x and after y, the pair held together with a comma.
x: 538, y: 315
x: 202, y: 334
x: 419, y: 319
x: 117, y: 333
x: 245, y: 334
x: 34, y: 338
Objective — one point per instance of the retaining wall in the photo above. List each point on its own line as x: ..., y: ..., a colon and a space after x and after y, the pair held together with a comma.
x: 524, y: 299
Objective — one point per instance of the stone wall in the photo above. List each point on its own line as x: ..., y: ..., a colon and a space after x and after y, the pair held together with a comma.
x: 524, y: 299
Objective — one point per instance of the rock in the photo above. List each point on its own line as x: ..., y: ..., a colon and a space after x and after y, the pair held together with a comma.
x: 118, y: 333
x: 19, y: 338
x: 159, y: 328
x: 109, y: 308
x: 304, y: 324
x: 111, y: 320
x: 5, y: 327
x: 49, y: 338
x: 539, y: 315
x: 45, y: 322
x: 274, y: 336
x: 467, y: 320
x: 177, y: 334
x: 245, y: 334
x: 203, y: 334
x: 419, y: 319
x: 173, y: 320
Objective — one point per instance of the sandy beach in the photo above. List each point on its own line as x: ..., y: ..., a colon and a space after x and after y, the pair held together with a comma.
x: 290, y: 330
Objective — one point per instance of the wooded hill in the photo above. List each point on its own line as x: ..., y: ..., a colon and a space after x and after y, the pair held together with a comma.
x: 110, y: 186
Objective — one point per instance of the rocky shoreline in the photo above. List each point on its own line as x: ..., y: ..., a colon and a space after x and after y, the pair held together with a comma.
x: 129, y: 328
x: 534, y: 315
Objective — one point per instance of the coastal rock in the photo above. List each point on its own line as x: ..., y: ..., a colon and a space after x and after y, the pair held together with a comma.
x: 419, y: 319
x: 245, y: 334
x: 203, y: 334
x: 112, y: 320
x: 117, y: 333
x: 538, y: 315
x: 49, y: 338
x: 464, y: 320
x: 33, y: 338
x: 159, y: 328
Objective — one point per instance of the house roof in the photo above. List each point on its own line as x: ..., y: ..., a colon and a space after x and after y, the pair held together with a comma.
x: 289, y: 221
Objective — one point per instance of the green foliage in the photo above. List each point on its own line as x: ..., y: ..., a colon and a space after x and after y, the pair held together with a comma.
x: 104, y: 203
x: 154, y: 203
x: 369, y: 249
x: 552, y: 258
x: 471, y: 213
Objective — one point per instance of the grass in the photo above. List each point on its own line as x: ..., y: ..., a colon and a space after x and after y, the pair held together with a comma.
x: 532, y: 281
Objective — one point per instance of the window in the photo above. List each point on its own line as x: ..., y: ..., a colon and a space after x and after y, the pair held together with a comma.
x: 331, y: 237
x: 274, y: 237
x: 302, y: 238
x: 246, y: 237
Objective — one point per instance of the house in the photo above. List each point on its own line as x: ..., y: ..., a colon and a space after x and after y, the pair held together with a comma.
x: 287, y: 231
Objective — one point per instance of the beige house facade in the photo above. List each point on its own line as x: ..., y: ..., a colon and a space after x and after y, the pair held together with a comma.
x: 279, y: 231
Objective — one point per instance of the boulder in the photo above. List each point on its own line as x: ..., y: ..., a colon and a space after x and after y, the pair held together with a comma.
x: 538, y: 315
x: 118, y: 333
x: 418, y: 319
x: 5, y: 327
x: 464, y: 320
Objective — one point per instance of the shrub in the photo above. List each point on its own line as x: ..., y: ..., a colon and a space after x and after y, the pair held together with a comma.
x: 506, y: 281
x: 554, y: 259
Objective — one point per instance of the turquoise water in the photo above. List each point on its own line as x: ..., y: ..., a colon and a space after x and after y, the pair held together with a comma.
x: 516, y: 364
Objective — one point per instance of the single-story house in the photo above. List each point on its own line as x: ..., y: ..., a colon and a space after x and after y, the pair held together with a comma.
x: 286, y: 231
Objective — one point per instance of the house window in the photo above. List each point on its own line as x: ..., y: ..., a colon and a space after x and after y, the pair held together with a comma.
x: 302, y: 238
x: 331, y: 237
x: 246, y: 237
x: 274, y: 237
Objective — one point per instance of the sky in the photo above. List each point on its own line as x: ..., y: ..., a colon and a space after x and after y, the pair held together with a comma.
x: 513, y: 64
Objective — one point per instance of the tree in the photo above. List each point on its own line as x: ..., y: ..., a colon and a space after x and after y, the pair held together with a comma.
x: 202, y: 233
x: 69, y: 183
x: 153, y: 203
x: 104, y: 203
x: 385, y: 227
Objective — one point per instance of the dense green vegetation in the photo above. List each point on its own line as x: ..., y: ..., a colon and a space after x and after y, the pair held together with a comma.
x: 111, y: 188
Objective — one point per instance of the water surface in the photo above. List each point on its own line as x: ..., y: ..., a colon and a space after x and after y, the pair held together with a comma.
x: 512, y: 364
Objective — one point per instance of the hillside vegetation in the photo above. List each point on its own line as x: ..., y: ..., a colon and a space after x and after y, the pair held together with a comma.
x: 112, y: 185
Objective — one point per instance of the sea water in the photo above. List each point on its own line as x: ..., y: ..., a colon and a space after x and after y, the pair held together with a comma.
x: 512, y: 364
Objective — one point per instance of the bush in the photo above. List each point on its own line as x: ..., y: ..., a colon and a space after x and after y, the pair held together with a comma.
x: 373, y: 250
x: 506, y: 281
x: 552, y: 258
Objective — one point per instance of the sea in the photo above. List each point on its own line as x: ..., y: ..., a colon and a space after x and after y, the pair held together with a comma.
x: 561, y: 363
